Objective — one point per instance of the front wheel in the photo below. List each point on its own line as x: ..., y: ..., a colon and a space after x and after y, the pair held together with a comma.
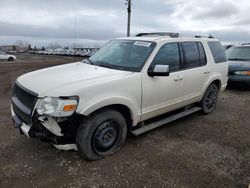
x: 11, y: 59
x: 102, y: 134
x: 209, y: 100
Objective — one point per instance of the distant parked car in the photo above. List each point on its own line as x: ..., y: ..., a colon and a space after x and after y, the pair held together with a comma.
x: 239, y: 63
x: 4, y: 56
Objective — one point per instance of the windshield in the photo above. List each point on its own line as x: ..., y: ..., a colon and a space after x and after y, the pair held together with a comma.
x: 241, y: 53
x: 123, y: 55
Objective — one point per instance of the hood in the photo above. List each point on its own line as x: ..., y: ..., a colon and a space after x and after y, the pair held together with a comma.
x: 239, y: 65
x: 48, y: 79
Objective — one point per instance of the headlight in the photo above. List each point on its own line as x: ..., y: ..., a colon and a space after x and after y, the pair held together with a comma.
x: 57, y: 107
x: 245, y: 73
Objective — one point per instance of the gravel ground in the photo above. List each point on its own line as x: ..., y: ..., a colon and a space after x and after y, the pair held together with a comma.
x: 196, y: 151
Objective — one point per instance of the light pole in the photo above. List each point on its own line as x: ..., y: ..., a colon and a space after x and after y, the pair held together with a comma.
x: 129, y: 15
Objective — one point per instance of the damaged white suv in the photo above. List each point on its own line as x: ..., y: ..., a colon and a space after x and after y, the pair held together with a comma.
x: 128, y: 86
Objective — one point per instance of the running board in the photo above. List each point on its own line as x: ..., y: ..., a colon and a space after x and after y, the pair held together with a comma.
x: 161, y: 122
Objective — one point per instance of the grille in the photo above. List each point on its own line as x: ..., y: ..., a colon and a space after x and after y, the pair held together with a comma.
x: 23, y: 102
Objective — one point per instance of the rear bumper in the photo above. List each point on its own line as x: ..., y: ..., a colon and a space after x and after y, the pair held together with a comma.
x: 223, y: 87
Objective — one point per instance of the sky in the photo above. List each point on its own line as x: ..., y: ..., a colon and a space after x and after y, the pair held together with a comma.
x: 97, y: 21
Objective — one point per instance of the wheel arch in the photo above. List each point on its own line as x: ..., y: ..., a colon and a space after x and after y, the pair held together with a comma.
x: 125, y: 107
x: 215, y: 80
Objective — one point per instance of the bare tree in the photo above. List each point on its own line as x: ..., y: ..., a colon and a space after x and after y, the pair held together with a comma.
x: 22, y: 43
x: 54, y: 45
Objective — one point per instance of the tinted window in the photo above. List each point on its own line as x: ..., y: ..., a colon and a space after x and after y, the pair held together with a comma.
x: 218, y: 52
x: 191, y: 54
x: 168, y: 55
x: 241, y: 53
x: 203, y: 59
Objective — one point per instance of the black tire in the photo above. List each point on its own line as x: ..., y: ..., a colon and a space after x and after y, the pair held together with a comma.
x: 101, y: 134
x: 209, y: 100
x: 11, y: 59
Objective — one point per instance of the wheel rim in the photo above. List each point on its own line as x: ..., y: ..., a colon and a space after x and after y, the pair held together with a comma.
x: 211, y: 100
x: 105, y: 136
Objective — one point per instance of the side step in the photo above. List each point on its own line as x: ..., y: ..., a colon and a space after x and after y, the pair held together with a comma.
x: 161, y: 122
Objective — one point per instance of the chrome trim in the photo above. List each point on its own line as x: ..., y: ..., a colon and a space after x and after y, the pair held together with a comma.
x: 66, y: 147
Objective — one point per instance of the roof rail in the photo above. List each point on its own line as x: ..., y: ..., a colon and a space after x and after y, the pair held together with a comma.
x: 173, y: 35
x: 204, y: 36
x: 246, y: 43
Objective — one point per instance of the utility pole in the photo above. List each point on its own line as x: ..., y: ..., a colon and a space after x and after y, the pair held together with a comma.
x: 129, y: 15
x: 75, y: 32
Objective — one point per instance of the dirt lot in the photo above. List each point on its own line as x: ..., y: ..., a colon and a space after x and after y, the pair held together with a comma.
x: 196, y: 151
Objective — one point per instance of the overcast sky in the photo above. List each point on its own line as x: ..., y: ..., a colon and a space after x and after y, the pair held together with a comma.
x: 41, y: 22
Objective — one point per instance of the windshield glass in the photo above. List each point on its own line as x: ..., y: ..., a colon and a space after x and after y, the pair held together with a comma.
x: 123, y: 55
x: 241, y: 53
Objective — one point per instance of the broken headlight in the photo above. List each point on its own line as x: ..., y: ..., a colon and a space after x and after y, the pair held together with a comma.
x: 57, y: 107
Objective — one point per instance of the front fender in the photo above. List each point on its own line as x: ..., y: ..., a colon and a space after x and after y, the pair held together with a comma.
x: 95, y: 105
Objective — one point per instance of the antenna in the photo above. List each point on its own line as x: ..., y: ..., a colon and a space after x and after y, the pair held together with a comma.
x: 129, y: 16
x: 75, y: 32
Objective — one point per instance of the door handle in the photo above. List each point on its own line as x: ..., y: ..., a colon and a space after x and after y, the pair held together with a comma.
x: 206, y: 71
x: 178, y: 78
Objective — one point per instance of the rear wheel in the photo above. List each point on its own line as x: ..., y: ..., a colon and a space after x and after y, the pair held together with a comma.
x: 209, y: 100
x: 101, y: 134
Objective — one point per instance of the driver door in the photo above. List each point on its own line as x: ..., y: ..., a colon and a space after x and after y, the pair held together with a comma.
x: 161, y: 94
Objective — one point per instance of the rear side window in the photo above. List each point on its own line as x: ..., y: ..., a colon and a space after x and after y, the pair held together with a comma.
x: 218, y: 52
x: 191, y: 54
x: 203, y: 59
x: 168, y: 55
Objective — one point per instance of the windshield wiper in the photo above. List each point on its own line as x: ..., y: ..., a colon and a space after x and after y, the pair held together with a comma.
x: 88, y: 61
x: 237, y: 59
x: 105, y: 65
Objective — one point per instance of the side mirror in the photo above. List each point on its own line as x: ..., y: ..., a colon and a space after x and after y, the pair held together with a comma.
x: 159, y: 70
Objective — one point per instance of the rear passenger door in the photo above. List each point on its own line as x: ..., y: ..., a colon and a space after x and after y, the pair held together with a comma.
x: 195, y: 71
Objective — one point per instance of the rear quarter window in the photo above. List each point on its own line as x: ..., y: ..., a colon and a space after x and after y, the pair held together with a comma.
x: 217, y: 51
x: 191, y: 54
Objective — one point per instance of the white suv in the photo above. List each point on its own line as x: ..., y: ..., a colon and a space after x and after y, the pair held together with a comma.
x: 129, y: 85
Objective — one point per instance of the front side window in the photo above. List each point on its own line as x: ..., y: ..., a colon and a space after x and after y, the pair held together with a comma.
x: 123, y: 55
x: 218, y: 51
x: 168, y: 55
x: 191, y: 54
x: 241, y: 53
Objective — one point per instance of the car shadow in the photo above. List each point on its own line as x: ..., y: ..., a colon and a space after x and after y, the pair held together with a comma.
x: 238, y: 87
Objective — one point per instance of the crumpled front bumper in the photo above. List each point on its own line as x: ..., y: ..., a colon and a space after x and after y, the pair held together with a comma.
x: 61, y: 135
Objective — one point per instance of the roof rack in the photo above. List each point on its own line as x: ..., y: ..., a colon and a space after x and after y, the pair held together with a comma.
x: 204, y: 36
x: 172, y: 35
x: 246, y: 43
